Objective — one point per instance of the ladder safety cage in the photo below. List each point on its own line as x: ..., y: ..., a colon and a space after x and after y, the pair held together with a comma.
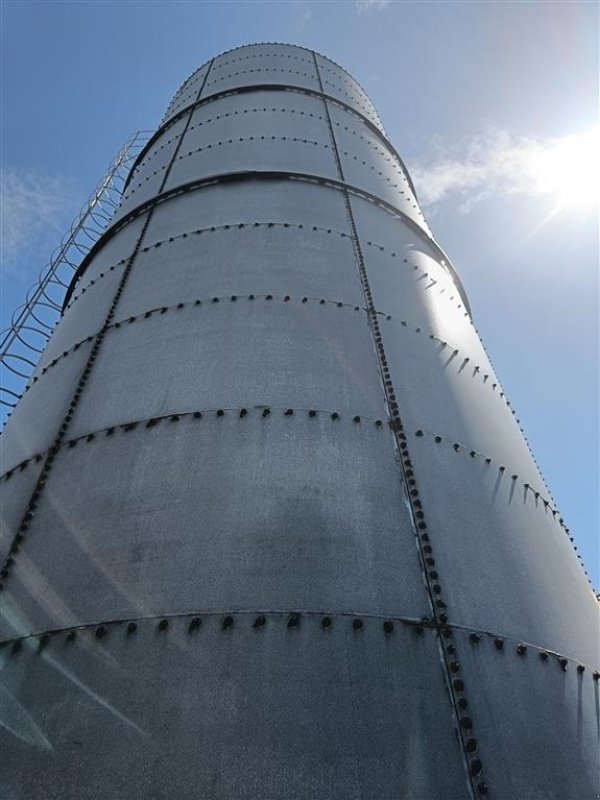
x: 32, y: 323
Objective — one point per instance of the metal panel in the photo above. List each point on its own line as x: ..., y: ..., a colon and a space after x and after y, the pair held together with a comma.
x: 368, y: 164
x: 537, y: 715
x: 284, y: 113
x: 269, y: 712
x: 35, y: 421
x: 462, y: 406
x: 268, y: 151
x: 86, y: 314
x: 15, y: 490
x: 113, y: 251
x: 507, y: 564
x: 256, y: 351
x: 339, y: 83
x: 187, y: 93
x: 277, y: 512
x: 149, y: 174
x: 241, y: 261
x: 280, y: 201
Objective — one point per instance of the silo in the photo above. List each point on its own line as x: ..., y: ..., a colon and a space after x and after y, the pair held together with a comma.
x: 271, y: 528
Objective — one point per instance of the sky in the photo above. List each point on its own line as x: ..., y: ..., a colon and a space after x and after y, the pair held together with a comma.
x: 491, y: 105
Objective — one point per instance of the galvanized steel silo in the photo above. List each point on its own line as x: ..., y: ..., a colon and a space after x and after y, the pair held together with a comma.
x: 271, y: 528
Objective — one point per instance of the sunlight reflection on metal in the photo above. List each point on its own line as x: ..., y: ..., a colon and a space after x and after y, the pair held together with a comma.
x: 18, y: 721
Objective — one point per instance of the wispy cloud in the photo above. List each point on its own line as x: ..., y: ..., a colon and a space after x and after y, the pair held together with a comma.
x: 497, y: 163
x: 368, y: 6
x: 302, y: 16
x: 35, y: 211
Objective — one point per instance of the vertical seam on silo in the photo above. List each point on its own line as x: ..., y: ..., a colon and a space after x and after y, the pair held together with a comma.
x: 52, y: 451
x: 449, y: 662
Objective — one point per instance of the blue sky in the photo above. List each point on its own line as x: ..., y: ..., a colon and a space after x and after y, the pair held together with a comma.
x: 482, y: 100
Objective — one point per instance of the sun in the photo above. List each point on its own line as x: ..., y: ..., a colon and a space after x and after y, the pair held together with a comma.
x: 569, y: 169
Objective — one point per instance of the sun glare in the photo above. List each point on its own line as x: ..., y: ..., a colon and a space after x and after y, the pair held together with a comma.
x: 569, y: 169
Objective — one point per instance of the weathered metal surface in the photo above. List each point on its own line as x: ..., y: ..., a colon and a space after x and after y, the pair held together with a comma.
x: 271, y: 528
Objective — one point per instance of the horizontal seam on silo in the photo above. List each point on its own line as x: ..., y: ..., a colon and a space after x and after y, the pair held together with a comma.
x: 101, y: 629
x: 198, y: 414
x: 269, y: 87
x: 287, y: 225
x: 288, y: 140
x: 149, y: 155
x: 201, y: 302
x: 281, y: 175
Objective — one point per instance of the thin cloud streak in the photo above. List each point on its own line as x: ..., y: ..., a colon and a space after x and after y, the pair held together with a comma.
x: 368, y: 6
x: 495, y: 163
x: 35, y: 211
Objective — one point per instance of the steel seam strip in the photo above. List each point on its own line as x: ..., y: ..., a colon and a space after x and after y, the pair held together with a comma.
x: 268, y: 87
x: 233, y: 177
x: 447, y: 649
x: 420, y: 626
x: 44, y: 474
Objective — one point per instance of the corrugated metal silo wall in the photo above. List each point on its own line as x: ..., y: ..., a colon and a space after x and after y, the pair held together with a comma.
x: 272, y: 530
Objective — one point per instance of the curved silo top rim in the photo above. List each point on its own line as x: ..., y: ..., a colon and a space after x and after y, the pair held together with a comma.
x: 272, y: 44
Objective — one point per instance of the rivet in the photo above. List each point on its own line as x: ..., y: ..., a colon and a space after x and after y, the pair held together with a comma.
x: 357, y: 624
x: 544, y: 655
x: 564, y: 662
x: 71, y: 636
x: 131, y: 627
x: 312, y: 413
x: 266, y: 412
x: 220, y: 412
x: 197, y: 415
x: 163, y: 625
x: 259, y: 622
x: 466, y: 722
x: 326, y: 622
x: 474, y: 638
x: 100, y: 631
x: 388, y: 626
x: 458, y: 684
x: 227, y: 623
x: 233, y: 298
x: 378, y: 423
x: 174, y: 417
x: 335, y: 415
x: 454, y: 666
x: 580, y: 668
x: 289, y: 412
x: 438, y: 439
x: 482, y: 788
x: 269, y: 297
x: 476, y: 767
x: 195, y: 623
x: 293, y: 621
x: 16, y: 646
x: 521, y: 649
x: 498, y: 643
